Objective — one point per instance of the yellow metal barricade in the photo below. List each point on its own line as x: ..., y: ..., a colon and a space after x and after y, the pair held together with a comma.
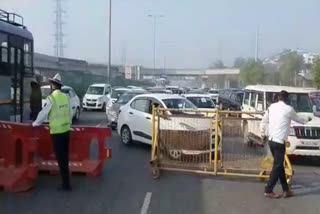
x: 187, y: 141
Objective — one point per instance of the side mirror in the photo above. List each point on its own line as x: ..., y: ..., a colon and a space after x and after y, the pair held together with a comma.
x: 314, y: 108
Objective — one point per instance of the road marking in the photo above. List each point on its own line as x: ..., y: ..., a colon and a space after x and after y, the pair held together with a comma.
x: 146, y: 203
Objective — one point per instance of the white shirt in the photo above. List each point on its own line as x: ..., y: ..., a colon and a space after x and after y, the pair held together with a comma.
x: 44, y: 113
x: 277, y: 120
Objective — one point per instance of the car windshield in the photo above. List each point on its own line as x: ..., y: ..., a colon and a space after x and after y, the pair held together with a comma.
x: 126, y: 97
x: 179, y: 104
x: 174, y: 90
x: 65, y: 90
x: 240, y: 97
x: 300, y: 102
x: 117, y: 93
x: 45, y: 92
x: 316, y: 101
x: 202, y: 102
x: 95, y: 90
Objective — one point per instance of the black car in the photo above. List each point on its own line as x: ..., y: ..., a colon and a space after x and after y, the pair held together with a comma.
x: 231, y: 99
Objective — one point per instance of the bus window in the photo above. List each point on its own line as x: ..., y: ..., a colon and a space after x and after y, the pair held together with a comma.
x: 260, y: 105
x: 19, y: 56
x: 27, y: 59
x: 4, y: 47
x: 253, y: 99
x: 12, y: 55
x: 27, y: 47
x: 246, y: 98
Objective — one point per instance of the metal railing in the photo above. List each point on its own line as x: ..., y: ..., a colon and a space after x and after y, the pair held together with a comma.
x: 210, y: 142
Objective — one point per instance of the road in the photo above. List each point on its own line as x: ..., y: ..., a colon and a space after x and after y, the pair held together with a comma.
x: 126, y: 186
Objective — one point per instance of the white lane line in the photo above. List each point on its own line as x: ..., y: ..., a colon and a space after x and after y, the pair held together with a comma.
x: 146, y: 203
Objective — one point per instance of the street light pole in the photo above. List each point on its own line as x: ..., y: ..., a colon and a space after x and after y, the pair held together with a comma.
x: 154, y: 38
x: 109, y: 63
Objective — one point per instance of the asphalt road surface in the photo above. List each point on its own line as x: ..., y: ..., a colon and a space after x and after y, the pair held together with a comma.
x: 126, y: 186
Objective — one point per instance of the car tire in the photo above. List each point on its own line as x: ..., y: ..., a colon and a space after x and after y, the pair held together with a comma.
x: 125, y: 135
x: 77, y: 115
x: 84, y: 109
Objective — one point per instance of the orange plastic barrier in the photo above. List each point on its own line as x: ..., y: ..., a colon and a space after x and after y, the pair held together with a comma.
x: 82, y: 141
x: 18, y: 171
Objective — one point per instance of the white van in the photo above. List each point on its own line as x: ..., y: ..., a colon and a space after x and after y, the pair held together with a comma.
x: 97, y: 97
x: 303, y: 139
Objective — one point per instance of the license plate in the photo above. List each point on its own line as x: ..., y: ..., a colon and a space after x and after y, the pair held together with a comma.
x: 310, y: 143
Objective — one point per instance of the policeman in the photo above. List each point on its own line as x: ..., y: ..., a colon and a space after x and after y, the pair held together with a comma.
x: 57, y: 110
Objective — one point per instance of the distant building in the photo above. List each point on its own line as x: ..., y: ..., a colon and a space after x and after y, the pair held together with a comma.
x: 216, y: 78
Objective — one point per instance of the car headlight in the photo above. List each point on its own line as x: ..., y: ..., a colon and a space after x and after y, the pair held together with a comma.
x: 292, y: 132
x: 100, y: 99
x: 287, y: 144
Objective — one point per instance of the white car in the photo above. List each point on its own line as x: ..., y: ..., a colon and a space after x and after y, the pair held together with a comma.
x: 135, y: 118
x: 97, y: 97
x: 73, y: 98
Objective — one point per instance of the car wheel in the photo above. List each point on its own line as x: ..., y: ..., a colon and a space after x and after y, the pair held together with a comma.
x: 77, y: 115
x: 84, y: 109
x: 126, y: 137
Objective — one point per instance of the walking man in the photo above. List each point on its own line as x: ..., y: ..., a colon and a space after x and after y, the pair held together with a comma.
x: 277, y: 121
x: 57, y: 110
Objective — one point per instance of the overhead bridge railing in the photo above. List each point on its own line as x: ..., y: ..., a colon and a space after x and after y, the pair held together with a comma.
x: 210, y: 142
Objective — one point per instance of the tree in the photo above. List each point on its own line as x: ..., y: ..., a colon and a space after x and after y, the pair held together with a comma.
x: 238, y: 62
x: 217, y: 64
x: 316, y: 72
x: 291, y: 64
x: 252, y: 72
x: 271, y: 74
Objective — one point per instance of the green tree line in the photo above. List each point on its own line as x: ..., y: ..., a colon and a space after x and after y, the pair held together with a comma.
x: 285, y: 72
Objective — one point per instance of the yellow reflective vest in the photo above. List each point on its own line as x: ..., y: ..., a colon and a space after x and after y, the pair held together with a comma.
x: 59, y: 116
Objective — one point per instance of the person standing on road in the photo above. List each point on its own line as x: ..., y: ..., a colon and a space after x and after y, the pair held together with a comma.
x: 35, y: 99
x: 57, y: 108
x: 277, y: 121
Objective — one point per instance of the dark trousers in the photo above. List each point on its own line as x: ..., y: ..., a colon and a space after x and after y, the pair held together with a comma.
x: 278, y: 151
x: 61, y: 150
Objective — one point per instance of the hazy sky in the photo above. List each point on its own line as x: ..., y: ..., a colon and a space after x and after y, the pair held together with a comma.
x: 192, y: 34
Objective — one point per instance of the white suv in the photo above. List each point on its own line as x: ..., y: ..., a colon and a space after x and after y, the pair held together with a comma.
x: 303, y: 139
x: 135, y: 118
